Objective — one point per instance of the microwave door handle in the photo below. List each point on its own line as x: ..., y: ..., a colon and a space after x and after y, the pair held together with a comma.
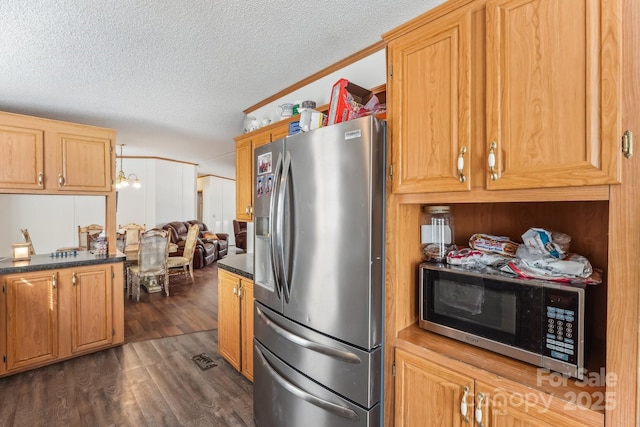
x: 282, y: 191
x: 314, y: 400
x: 275, y: 265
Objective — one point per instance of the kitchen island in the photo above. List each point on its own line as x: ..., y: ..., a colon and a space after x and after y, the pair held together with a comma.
x: 57, y: 308
x: 235, y: 312
x: 51, y: 262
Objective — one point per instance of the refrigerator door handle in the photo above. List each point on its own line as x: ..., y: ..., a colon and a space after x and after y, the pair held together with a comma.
x: 335, y: 353
x: 314, y: 400
x: 282, y: 191
x: 273, y: 214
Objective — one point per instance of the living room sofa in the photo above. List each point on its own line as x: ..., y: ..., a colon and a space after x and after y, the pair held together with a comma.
x: 209, y: 246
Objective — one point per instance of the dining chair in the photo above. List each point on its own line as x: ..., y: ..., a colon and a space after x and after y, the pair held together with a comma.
x: 186, y: 260
x: 153, y: 251
x: 132, y: 233
x: 87, y: 234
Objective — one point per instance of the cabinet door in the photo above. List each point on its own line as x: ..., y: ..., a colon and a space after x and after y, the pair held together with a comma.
x: 247, y: 328
x: 280, y: 132
x: 430, y: 395
x: 499, y: 407
x: 84, y: 163
x: 553, y: 92
x: 91, y: 324
x: 32, y: 318
x: 229, y: 318
x: 244, y: 179
x: 430, y: 87
x: 21, y: 158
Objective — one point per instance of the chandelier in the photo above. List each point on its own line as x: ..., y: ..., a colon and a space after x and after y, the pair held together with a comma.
x: 122, y: 180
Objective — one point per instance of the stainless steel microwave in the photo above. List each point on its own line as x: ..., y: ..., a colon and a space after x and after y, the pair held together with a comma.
x: 536, y: 321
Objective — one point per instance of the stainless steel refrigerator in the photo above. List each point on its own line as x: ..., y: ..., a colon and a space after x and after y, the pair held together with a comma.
x: 319, y: 277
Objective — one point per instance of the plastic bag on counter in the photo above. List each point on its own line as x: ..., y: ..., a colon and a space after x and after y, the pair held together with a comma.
x: 547, y: 243
x: 495, y: 244
x: 573, y: 268
x: 475, y: 259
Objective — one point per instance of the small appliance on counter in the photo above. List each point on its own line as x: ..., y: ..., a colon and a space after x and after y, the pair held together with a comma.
x: 536, y: 321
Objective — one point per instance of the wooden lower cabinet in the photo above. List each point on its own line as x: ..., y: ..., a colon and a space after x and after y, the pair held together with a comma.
x: 235, y: 321
x: 31, y: 302
x: 53, y: 315
x: 429, y: 394
x: 91, y: 323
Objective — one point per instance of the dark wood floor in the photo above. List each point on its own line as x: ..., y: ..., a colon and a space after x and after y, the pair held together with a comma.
x: 190, y: 307
x: 145, y: 383
x: 149, y: 381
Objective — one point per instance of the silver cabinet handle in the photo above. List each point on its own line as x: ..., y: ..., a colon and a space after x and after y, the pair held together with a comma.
x: 303, y: 342
x: 492, y: 160
x: 479, y: 409
x: 461, y: 176
x: 463, y: 404
x: 314, y: 400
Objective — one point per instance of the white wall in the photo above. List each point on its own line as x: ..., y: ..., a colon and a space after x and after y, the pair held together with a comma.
x: 218, y: 204
x: 52, y: 221
x: 168, y: 193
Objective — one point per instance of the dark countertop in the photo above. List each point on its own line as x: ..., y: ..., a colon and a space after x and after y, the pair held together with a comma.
x: 241, y: 265
x: 47, y: 262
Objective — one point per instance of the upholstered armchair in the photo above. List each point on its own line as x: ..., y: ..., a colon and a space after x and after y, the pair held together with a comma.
x: 209, y: 246
x: 240, y: 232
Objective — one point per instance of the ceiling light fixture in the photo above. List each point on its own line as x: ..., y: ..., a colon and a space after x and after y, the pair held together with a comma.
x: 122, y: 180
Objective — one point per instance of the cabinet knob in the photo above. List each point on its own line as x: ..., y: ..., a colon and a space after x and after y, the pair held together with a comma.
x: 235, y: 290
x: 40, y: 179
x: 61, y: 180
x: 74, y: 279
x: 461, y: 176
x: 492, y: 160
x: 54, y: 281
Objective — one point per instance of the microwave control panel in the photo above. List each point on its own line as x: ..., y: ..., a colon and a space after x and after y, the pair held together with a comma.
x: 562, y: 325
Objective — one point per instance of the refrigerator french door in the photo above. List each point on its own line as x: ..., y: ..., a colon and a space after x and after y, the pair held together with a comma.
x: 318, y: 274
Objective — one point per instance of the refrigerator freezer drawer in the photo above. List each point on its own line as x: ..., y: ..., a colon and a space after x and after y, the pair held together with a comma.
x: 348, y: 370
x: 285, y: 398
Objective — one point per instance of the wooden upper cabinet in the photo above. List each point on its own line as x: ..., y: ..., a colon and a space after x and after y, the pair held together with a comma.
x: 51, y: 157
x: 84, y: 162
x: 430, y: 92
x: 504, y: 94
x: 244, y: 179
x: 21, y: 158
x: 553, y: 92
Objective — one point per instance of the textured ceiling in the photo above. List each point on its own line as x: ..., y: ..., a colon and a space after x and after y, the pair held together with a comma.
x: 173, y: 77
